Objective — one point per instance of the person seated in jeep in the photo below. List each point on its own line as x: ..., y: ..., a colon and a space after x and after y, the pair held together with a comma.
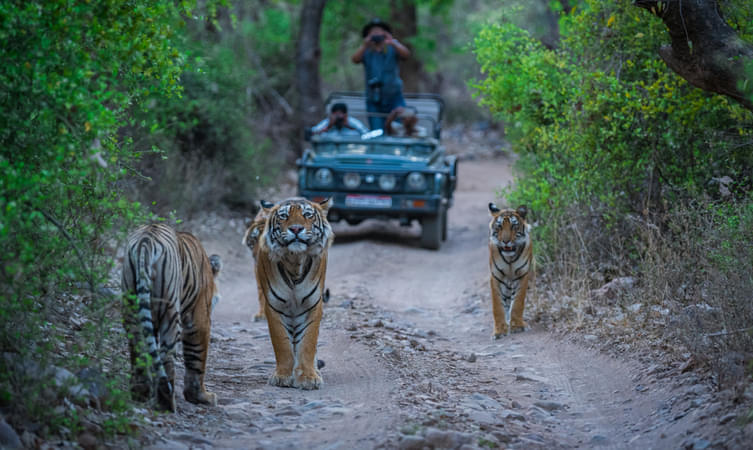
x: 403, y: 122
x: 339, y: 124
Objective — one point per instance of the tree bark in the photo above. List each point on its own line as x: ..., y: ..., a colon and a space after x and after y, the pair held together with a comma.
x: 307, y: 56
x: 704, y: 49
x: 403, y: 18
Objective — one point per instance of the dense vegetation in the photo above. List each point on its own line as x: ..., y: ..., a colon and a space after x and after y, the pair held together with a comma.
x: 628, y: 169
x: 77, y: 79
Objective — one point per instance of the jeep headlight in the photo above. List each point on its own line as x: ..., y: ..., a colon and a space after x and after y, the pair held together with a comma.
x: 323, y: 178
x: 416, y: 181
x: 387, y: 181
x: 352, y: 180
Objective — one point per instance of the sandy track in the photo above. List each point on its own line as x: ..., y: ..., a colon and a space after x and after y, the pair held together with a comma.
x: 406, y: 339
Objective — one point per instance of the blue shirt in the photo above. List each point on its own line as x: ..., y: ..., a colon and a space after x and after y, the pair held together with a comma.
x: 383, y: 66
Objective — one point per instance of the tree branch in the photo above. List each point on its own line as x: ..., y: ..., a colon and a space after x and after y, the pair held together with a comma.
x: 704, y: 49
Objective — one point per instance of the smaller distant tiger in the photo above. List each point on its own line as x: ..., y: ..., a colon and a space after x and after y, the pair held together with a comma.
x: 510, y: 263
x: 254, y: 230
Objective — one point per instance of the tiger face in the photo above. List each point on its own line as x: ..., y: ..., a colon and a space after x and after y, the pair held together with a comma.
x: 299, y: 226
x: 508, y: 230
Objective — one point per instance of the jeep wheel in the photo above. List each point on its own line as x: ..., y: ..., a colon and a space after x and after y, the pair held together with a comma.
x: 431, y: 232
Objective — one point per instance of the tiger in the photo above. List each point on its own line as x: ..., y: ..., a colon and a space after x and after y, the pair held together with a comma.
x: 291, y: 268
x: 169, y: 286
x: 510, y: 263
x: 254, y: 229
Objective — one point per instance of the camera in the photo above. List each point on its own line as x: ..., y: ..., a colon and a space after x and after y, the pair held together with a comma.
x: 339, y: 122
x: 377, y: 38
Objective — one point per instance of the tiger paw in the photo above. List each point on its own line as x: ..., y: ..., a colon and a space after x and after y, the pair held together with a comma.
x: 203, y: 398
x: 259, y: 317
x: 519, y: 327
x: 282, y: 380
x: 309, y: 382
x: 165, y: 395
x: 496, y: 336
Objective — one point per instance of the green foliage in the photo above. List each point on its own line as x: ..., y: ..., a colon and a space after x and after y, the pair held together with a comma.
x: 208, y: 136
x: 71, y: 73
x: 601, y: 123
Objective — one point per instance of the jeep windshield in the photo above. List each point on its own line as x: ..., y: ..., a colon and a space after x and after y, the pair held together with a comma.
x: 401, y: 149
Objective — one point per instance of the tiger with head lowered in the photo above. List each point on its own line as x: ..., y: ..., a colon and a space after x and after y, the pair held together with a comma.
x: 254, y: 229
x: 291, y: 266
x: 169, y: 287
x: 510, y: 262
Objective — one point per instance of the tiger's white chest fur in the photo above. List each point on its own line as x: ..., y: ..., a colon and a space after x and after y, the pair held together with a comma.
x: 294, y: 292
x: 508, y: 269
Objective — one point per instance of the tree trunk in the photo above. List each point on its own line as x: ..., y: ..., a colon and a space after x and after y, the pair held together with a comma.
x: 403, y: 19
x: 705, y: 50
x: 307, y: 55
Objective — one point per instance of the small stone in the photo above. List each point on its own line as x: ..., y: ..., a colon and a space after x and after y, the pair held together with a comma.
x: 417, y: 345
x: 8, y: 436
x: 471, y: 358
x: 598, y: 439
x: 512, y: 415
x: 436, y: 438
x: 727, y: 418
x: 549, y: 405
x: 503, y: 437
x: 87, y: 441
x: 459, y: 439
x: 515, y: 404
x: 411, y: 442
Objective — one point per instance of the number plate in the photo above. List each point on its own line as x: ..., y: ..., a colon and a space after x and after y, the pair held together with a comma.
x: 368, y: 201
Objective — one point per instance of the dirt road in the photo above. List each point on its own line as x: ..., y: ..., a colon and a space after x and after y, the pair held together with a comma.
x: 409, y: 358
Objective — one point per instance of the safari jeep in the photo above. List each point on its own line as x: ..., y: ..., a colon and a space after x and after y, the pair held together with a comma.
x: 383, y: 177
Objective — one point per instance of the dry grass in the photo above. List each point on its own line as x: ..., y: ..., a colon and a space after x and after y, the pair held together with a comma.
x: 679, y: 290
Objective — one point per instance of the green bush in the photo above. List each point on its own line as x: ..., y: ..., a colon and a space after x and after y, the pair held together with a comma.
x: 215, y: 141
x: 629, y: 170
x: 602, y: 123
x: 71, y: 74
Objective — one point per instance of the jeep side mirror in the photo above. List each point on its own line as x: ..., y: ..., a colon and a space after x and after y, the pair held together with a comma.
x: 307, y: 134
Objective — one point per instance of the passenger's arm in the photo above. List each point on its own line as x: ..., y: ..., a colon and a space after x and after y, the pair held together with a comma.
x: 358, y: 55
x: 402, y: 51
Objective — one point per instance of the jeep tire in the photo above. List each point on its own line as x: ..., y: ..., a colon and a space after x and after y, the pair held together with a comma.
x: 431, y: 231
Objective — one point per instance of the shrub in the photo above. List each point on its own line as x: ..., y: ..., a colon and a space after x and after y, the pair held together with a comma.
x: 71, y: 73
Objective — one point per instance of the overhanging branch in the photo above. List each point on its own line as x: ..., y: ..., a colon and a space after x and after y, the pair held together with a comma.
x: 704, y: 49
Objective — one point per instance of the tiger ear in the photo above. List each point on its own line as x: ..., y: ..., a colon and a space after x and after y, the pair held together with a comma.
x: 522, y: 211
x: 326, y: 204
x: 265, y: 205
x: 493, y: 208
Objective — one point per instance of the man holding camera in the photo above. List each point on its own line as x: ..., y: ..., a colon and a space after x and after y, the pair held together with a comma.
x: 340, y: 123
x: 379, y: 54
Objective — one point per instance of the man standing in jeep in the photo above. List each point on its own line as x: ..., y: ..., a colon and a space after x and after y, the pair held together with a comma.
x: 379, y: 54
